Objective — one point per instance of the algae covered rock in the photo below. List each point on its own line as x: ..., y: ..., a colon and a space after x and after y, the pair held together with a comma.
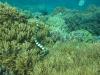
x: 87, y: 20
x: 8, y: 13
x: 23, y: 44
x: 81, y: 35
x: 17, y: 45
x: 58, y: 27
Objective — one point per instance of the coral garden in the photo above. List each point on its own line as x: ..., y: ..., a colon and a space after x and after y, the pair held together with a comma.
x: 65, y: 42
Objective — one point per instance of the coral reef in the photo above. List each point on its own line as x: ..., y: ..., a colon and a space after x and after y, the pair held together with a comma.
x: 17, y: 40
x: 10, y: 14
x: 44, y: 44
x: 88, y: 20
x: 62, y: 21
x: 81, y: 35
x: 58, y: 27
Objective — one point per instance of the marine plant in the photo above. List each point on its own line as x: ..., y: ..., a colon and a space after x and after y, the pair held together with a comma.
x: 87, y: 20
x: 81, y: 35
x: 23, y: 43
x: 58, y: 27
x: 17, y: 40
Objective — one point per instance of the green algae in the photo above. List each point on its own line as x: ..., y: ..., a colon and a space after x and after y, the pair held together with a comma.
x: 19, y: 54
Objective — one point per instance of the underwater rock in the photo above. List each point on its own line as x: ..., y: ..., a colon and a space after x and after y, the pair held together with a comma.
x: 61, y: 10
x: 17, y: 41
x: 5, y: 71
x: 81, y: 36
x: 58, y: 27
x: 8, y: 13
x: 29, y: 46
x: 96, y: 38
x: 87, y: 20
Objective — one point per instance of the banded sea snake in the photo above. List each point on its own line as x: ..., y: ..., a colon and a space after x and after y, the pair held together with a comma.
x: 44, y: 51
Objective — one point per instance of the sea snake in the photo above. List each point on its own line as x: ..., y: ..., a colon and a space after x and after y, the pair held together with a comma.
x: 44, y: 51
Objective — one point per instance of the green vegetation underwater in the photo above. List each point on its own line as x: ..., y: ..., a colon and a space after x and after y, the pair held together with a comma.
x: 49, y: 37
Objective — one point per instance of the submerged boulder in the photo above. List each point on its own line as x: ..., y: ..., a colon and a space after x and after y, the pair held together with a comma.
x: 58, y: 27
x: 81, y: 35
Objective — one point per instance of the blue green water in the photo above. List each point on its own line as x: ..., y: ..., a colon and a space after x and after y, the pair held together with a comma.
x: 49, y: 5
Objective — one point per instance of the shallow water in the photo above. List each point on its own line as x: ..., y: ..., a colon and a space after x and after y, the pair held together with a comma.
x: 49, y: 5
x: 64, y: 42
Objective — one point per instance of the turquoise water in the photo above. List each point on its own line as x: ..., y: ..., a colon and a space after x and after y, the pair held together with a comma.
x: 49, y: 5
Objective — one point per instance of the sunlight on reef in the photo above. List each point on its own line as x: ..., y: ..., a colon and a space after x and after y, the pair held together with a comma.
x: 64, y: 42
